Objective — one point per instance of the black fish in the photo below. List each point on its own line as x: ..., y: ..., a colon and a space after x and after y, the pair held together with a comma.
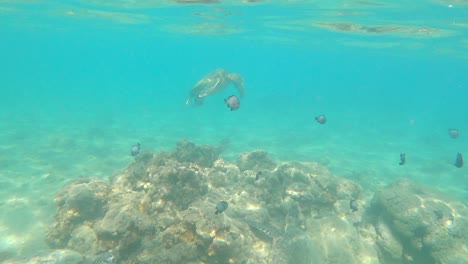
x: 221, y: 207
x: 135, y: 149
x: 321, y: 119
x: 257, y: 176
x: 402, y: 159
x: 232, y: 102
x: 353, y: 205
x: 459, y: 160
x: 454, y: 133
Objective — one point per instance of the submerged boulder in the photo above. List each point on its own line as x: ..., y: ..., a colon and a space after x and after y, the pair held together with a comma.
x: 431, y: 228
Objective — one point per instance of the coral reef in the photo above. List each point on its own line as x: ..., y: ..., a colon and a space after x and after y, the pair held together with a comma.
x: 161, y: 209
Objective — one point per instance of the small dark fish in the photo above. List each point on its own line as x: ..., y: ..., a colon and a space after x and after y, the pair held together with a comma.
x: 353, y: 205
x: 459, y: 160
x: 257, y: 176
x: 321, y: 119
x: 232, y: 102
x: 402, y: 159
x: 135, y: 149
x: 221, y: 207
x: 454, y: 133
x: 439, y: 214
x: 293, y: 211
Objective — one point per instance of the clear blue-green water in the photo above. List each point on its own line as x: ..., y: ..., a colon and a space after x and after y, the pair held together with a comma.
x: 82, y: 81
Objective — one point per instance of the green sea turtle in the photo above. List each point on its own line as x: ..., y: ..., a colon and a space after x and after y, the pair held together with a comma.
x: 215, y: 82
x: 290, y: 245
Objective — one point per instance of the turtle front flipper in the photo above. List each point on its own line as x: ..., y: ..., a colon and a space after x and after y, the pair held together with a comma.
x: 209, y: 88
x: 214, y: 82
x: 198, y: 89
x: 238, y: 82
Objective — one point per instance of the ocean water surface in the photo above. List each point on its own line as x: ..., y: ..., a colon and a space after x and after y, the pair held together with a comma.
x: 82, y: 81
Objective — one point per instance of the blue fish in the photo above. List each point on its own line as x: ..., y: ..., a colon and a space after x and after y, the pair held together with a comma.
x: 454, y: 133
x: 221, y: 207
x: 321, y: 119
x: 257, y: 176
x: 353, y: 205
x: 402, y: 159
x: 459, y: 160
x: 135, y: 149
x: 232, y: 102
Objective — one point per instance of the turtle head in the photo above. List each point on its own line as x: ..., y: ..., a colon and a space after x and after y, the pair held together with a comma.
x: 199, y: 100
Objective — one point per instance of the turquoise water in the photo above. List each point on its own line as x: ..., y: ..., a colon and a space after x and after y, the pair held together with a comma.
x: 82, y: 81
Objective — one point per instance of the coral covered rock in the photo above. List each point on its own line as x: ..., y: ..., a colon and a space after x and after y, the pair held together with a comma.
x: 390, y: 245
x: 431, y: 228
x: 79, y: 201
x: 335, y: 240
x: 256, y: 160
x: 161, y: 209
x: 64, y: 256
x: 84, y: 240
x: 203, y: 155
x: 309, y: 184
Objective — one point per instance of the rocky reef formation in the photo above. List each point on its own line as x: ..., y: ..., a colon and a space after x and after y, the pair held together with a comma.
x: 161, y: 209
x: 419, y: 224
